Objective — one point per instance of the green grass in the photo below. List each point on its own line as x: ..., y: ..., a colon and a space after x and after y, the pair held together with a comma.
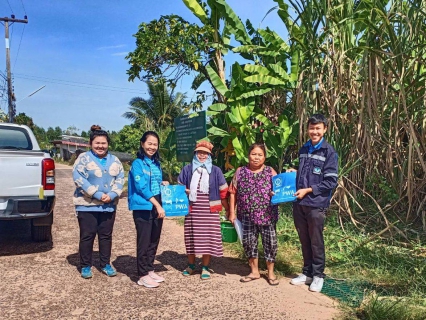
x: 393, y: 278
x: 380, y: 267
x: 379, y: 308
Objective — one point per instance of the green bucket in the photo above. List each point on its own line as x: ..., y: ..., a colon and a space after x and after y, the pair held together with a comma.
x: 229, y: 234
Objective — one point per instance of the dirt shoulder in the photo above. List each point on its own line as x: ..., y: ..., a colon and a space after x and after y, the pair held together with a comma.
x: 41, y: 281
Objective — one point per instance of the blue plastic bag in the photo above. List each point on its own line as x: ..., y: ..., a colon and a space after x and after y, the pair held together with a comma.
x: 174, y: 200
x: 284, y: 187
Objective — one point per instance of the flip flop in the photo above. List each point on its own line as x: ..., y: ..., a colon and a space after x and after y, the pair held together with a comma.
x: 273, y: 282
x: 248, y: 279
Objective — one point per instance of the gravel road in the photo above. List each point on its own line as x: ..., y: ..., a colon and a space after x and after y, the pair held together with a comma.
x: 41, y: 280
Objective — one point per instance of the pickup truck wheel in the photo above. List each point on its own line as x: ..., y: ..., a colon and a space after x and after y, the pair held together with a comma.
x: 41, y: 233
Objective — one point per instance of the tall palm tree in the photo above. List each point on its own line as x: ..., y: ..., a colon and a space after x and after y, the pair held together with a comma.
x: 160, y: 109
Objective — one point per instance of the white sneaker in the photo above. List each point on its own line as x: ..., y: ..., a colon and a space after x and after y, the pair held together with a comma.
x: 156, y: 277
x: 317, y: 284
x: 302, y: 279
x: 148, y: 282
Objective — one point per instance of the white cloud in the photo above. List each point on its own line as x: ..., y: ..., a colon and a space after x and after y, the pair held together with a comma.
x: 111, y: 47
x: 124, y: 53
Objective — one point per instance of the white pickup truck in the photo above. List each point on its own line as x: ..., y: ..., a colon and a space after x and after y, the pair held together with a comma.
x: 27, y: 188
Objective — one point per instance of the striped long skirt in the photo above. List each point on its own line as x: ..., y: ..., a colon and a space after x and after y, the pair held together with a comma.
x: 202, y: 229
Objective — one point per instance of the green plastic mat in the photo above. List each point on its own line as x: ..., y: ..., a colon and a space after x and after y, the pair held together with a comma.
x: 350, y: 293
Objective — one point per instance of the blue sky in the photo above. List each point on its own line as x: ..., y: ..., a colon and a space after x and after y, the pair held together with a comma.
x: 76, y: 49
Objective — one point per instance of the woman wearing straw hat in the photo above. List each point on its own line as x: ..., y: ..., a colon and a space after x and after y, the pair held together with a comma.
x: 207, y: 190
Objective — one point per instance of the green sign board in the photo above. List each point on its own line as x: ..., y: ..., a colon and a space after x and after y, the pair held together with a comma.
x: 189, y: 129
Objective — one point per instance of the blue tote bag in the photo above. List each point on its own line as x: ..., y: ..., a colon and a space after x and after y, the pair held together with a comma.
x: 174, y: 200
x: 284, y: 187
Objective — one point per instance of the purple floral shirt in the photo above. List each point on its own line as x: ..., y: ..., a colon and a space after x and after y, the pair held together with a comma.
x: 253, y: 195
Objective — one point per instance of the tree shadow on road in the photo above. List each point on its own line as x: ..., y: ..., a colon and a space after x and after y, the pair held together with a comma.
x: 127, y: 265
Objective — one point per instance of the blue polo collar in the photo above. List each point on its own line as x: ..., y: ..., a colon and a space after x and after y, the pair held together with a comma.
x: 103, y: 160
x: 312, y: 148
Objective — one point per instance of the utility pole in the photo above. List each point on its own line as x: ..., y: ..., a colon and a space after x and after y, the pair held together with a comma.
x: 10, y: 95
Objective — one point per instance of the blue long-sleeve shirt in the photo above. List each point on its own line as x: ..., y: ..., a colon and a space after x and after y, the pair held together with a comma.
x: 140, y: 186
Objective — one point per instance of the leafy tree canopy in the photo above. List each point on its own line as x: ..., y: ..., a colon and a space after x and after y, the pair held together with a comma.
x: 3, y: 116
x: 127, y: 139
x: 71, y: 131
x: 169, y: 47
x: 159, y: 110
x: 53, y: 133
x: 22, y: 118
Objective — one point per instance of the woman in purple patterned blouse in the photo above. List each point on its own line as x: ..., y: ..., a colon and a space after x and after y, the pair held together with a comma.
x: 250, y: 192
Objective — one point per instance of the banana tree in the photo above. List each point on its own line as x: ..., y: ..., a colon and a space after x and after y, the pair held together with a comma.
x: 247, y: 122
x: 223, y: 22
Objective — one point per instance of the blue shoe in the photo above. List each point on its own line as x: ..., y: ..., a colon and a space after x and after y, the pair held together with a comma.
x: 86, y: 272
x: 109, y: 271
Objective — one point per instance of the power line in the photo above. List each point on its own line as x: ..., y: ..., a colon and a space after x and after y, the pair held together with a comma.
x: 23, y: 7
x: 78, y: 84
x: 9, y: 6
x: 12, y: 28
x: 19, y: 47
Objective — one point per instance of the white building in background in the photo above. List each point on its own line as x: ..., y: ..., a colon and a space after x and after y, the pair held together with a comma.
x: 68, y: 145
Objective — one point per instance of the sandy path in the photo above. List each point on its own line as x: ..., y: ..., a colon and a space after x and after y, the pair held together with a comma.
x: 41, y: 280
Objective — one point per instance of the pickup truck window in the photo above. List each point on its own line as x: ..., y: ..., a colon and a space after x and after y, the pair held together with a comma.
x: 14, y: 138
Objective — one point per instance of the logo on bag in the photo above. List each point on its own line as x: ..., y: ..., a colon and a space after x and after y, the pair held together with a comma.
x: 284, y: 188
x: 288, y: 192
x: 278, y: 182
x: 175, y: 200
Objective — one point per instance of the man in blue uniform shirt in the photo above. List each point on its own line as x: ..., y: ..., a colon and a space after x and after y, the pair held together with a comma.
x: 315, y: 181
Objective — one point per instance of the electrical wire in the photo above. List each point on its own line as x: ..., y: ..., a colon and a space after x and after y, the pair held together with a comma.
x: 23, y: 7
x: 75, y: 82
x: 19, y: 47
x: 78, y: 84
x: 9, y: 5
x: 12, y: 27
x: 81, y: 84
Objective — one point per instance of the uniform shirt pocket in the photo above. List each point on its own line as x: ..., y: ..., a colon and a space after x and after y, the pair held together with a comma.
x: 317, y: 167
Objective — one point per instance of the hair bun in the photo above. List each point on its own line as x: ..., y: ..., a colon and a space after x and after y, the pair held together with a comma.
x: 95, y: 127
